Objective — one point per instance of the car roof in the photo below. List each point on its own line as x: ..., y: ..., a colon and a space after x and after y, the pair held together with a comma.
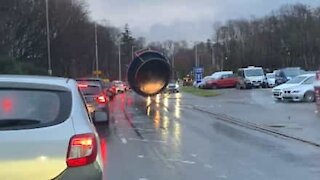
x: 47, y: 80
x: 307, y: 75
x: 222, y: 72
x: 249, y: 68
x: 89, y: 79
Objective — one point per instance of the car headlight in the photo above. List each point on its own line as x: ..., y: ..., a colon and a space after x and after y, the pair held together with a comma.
x: 247, y: 81
x: 295, y: 91
x: 177, y: 85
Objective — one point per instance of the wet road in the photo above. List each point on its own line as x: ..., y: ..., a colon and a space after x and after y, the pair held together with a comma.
x: 166, y: 138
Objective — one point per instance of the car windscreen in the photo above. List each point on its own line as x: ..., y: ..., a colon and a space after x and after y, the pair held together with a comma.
x: 90, y: 89
x: 254, y: 72
x: 296, y: 80
x: 118, y: 84
x: 23, y: 108
x: 270, y: 76
x: 292, y: 72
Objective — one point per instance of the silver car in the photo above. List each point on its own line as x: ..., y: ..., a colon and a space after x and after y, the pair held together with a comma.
x: 45, y: 130
x: 300, y: 88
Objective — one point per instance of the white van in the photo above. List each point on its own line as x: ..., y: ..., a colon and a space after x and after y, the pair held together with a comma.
x: 251, y: 77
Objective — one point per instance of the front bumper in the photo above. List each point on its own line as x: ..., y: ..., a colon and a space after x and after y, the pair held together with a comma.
x: 172, y: 90
x: 288, y: 95
x: 292, y: 96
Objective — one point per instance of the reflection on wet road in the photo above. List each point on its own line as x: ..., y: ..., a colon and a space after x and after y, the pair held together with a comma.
x: 163, y: 138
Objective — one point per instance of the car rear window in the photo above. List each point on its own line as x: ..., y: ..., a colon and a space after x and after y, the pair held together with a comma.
x: 93, y: 82
x: 90, y: 90
x: 25, y: 109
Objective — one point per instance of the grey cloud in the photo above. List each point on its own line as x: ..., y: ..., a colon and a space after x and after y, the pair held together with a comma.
x: 180, y: 19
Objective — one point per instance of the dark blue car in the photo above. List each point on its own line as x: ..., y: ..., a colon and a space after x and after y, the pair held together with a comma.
x: 285, y: 74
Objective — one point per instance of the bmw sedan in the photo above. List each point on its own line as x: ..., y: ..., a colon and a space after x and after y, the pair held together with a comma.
x: 300, y: 88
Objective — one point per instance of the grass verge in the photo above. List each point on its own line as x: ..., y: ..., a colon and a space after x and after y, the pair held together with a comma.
x: 199, y: 92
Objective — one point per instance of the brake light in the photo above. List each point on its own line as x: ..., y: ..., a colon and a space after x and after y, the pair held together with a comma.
x: 82, y: 150
x: 7, y: 105
x: 82, y: 85
x: 102, y: 99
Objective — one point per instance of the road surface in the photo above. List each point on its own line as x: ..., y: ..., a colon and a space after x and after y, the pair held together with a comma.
x: 166, y: 138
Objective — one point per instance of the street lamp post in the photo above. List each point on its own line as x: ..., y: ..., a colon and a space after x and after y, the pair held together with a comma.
x: 173, y: 59
x: 119, y: 60
x: 96, y: 49
x: 132, y: 52
x: 48, y: 39
x: 196, y: 55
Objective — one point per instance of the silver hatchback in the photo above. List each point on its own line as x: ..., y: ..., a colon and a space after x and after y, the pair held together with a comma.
x: 45, y: 130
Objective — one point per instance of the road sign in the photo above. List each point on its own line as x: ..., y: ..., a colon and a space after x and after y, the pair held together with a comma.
x: 198, y: 73
x: 98, y: 72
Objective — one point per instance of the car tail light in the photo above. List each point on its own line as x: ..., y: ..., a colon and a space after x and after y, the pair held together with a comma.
x: 82, y: 150
x: 82, y: 85
x: 102, y: 99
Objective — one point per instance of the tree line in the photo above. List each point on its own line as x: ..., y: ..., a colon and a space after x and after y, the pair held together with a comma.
x: 23, y: 39
x: 289, y: 36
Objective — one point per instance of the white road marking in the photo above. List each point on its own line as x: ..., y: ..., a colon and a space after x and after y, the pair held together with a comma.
x: 181, y: 161
x: 208, y: 166
x: 143, y: 179
x: 124, y: 140
x: 140, y: 156
x: 194, y: 155
x: 316, y: 111
x: 146, y: 140
x: 222, y: 177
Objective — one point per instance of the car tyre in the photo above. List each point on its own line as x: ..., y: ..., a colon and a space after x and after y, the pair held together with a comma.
x: 214, y: 86
x: 238, y: 86
x: 309, y: 96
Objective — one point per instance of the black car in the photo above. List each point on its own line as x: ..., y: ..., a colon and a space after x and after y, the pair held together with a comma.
x: 285, y: 74
x: 96, y: 99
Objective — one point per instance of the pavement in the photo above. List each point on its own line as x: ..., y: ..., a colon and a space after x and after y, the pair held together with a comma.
x: 181, y: 136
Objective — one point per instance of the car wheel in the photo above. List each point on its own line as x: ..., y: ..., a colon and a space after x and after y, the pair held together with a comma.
x: 238, y: 86
x: 309, y: 96
x: 214, y: 86
x: 278, y: 99
x: 248, y: 86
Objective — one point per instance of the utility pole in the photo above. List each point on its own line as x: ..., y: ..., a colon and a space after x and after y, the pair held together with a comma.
x: 173, y: 59
x: 48, y: 39
x: 132, y: 52
x: 196, y: 55
x: 119, y: 60
x: 96, y: 49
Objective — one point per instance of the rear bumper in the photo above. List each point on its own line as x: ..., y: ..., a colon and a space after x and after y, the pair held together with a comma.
x: 92, y: 171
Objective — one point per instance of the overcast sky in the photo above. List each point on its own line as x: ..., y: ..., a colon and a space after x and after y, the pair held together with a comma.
x: 190, y: 20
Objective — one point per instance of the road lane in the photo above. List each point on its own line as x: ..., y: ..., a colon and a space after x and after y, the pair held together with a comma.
x: 163, y: 138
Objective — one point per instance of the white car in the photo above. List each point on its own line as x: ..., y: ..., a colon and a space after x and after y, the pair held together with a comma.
x: 300, y: 88
x: 120, y: 87
x: 203, y: 82
x: 46, y: 131
x: 173, y: 87
x: 271, y: 80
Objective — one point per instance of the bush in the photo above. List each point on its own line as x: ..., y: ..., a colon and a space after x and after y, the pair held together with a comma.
x: 11, y: 66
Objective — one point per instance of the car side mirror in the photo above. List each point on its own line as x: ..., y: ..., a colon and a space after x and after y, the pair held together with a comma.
x: 99, y: 116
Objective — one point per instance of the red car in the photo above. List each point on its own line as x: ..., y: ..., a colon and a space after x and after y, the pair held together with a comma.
x: 223, y: 81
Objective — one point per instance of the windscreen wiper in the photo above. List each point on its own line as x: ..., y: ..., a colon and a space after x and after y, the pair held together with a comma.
x: 7, y: 123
